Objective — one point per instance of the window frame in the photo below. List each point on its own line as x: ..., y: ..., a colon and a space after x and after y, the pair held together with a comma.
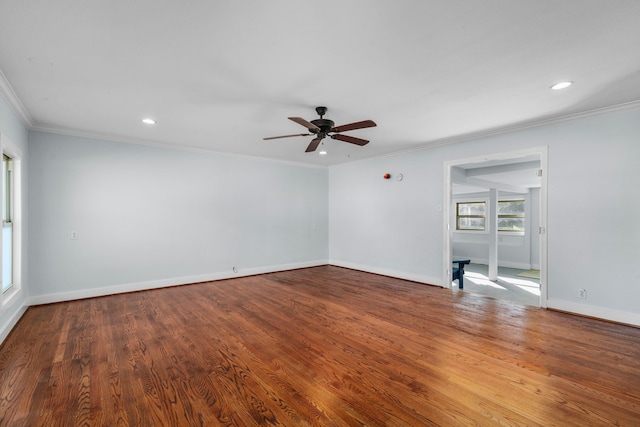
x: 7, y: 214
x: 12, y: 294
x: 485, y: 201
x: 484, y: 217
x: 523, y: 216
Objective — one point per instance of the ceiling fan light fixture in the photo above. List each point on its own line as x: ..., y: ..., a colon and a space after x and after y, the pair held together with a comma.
x: 323, y: 149
x: 561, y: 85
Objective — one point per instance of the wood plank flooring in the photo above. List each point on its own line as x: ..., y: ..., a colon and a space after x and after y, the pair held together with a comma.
x: 315, y: 347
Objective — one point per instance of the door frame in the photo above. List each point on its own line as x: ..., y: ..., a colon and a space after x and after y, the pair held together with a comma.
x: 542, y: 152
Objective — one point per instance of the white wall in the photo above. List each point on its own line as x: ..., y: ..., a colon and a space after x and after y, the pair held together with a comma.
x: 149, y: 217
x: 393, y: 227
x: 388, y: 226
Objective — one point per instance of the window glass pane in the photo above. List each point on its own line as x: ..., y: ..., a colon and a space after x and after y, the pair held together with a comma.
x: 510, y: 224
x: 4, y: 188
x: 476, y: 208
x: 466, y: 223
x: 7, y: 257
x: 511, y: 207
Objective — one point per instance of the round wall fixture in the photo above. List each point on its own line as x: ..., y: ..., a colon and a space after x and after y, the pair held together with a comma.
x: 387, y: 176
x: 399, y: 177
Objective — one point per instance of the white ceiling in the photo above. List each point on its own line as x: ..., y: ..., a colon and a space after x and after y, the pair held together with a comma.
x: 220, y: 75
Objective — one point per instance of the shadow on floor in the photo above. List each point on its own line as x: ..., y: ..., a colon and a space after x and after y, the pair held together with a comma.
x: 509, y: 285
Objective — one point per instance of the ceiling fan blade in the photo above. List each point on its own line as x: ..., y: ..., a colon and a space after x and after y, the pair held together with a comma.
x: 351, y: 139
x: 303, y: 122
x: 313, y: 145
x: 285, y: 136
x: 352, y: 126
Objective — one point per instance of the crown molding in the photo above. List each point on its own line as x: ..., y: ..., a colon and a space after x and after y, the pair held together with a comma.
x: 626, y: 106
x: 7, y: 92
x: 9, y: 95
x: 149, y: 143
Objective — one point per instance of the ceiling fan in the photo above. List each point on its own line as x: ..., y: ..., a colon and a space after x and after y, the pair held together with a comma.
x: 322, y: 128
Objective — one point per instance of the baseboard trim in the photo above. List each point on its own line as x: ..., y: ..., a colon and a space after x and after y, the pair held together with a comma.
x: 420, y: 278
x: 12, y: 322
x: 518, y: 265
x: 554, y: 304
x: 595, y: 312
x: 164, y: 283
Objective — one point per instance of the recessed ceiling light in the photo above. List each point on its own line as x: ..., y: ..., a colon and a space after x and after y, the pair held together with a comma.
x: 322, y: 153
x: 561, y: 85
x: 149, y: 121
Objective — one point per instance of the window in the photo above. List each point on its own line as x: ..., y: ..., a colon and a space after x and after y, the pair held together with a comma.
x: 11, y: 205
x: 511, y: 215
x: 472, y: 216
x: 7, y: 223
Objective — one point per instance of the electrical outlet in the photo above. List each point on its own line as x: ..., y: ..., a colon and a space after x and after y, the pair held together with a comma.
x: 74, y: 235
x: 582, y: 293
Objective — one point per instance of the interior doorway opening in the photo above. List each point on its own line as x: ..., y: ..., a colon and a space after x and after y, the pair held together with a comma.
x: 495, y: 213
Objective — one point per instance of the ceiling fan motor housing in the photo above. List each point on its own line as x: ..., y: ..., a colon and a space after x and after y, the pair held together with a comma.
x: 325, y: 125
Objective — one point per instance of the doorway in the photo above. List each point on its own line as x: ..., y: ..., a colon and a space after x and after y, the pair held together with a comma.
x: 506, y: 176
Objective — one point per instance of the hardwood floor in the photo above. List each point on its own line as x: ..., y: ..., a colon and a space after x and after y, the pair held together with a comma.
x: 318, y: 346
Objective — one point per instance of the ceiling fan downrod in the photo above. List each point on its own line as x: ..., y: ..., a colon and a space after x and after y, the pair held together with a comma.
x: 321, y: 111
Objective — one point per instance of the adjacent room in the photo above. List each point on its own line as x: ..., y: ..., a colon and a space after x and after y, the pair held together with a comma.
x: 506, y: 255
x: 337, y: 213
